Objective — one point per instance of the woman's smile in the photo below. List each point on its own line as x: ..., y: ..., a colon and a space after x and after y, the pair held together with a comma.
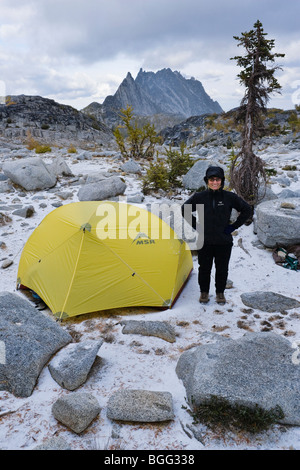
x: 214, y: 183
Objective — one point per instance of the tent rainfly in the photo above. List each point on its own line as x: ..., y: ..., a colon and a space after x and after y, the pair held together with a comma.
x: 97, y: 255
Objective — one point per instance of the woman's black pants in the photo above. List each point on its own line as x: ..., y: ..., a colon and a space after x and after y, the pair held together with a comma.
x: 220, y: 254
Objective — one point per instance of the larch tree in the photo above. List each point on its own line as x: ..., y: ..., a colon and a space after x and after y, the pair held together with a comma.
x: 247, y: 172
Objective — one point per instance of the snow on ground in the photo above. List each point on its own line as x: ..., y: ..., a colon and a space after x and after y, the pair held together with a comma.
x: 134, y: 361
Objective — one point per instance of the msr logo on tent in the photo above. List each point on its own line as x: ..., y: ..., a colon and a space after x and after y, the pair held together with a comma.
x: 143, y: 239
x: 145, y: 242
x: 2, y: 353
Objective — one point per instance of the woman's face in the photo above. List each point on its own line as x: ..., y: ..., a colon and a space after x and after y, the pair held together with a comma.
x: 214, y: 183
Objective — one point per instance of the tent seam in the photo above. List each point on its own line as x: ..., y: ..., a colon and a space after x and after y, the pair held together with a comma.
x: 74, y: 272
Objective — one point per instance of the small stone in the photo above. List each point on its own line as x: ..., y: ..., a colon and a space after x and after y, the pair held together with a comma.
x: 150, y: 328
x: 25, y: 212
x: 54, y: 443
x: 76, y: 411
x: 6, y: 263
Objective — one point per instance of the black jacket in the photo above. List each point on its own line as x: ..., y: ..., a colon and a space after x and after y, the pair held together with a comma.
x: 217, y: 211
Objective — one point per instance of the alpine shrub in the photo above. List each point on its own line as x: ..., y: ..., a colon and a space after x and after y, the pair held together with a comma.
x: 135, y: 141
x: 166, y: 173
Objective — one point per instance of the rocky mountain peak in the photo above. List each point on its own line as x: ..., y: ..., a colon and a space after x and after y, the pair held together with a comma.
x: 163, y: 92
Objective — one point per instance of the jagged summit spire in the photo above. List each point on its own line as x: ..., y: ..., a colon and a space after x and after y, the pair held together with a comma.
x: 129, y: 76
x: 163, y: 92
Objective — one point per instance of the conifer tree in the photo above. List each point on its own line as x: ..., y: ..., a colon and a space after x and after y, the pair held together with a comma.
x: 139, y: 141
x: 257, y: 76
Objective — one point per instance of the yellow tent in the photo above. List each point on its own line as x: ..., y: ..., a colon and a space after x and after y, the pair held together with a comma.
x: 89, y: 256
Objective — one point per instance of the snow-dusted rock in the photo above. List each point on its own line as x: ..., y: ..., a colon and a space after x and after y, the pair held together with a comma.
x: 30, y: 173
x: 25, y: 212
x: 159, y: 329
x: 257, y: 369
x: 76, y: 411
x: 194, y: 179
x: 140, y: 406
x: 60, y: 168
x: 131, y: 167
x: 278, y: 222
x: 70, y: 367
x: 269, y: 301
x: 105, y: 189
x: 30, y: 339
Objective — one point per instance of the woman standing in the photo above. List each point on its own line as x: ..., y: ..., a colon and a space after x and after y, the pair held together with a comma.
x: 217, y: 246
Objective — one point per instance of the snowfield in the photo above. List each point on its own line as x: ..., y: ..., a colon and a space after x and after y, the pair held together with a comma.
x: 140, y: 362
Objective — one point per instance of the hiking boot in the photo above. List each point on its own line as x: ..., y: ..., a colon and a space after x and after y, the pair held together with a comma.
x: 220, y: 298
x: 204, y: 297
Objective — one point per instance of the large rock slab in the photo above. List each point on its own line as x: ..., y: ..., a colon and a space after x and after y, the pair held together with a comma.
x: 105, y: 189
x: 59, y: 167
x: 71, y: 366
x: 257, y: 369
x: 30, y: 173
x: 277, y: 222
x: 269, y: 301
x: 28, y: 339
x: 131, y: 166
x: 140, y: 406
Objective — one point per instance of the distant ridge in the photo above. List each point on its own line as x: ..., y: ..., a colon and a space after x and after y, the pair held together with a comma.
x: 46, y: 120
x: 151, y: 93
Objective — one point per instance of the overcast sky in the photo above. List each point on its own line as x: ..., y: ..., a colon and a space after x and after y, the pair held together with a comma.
x: 79, y: 51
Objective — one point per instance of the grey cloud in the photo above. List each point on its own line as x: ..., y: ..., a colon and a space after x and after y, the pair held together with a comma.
x: 151, y: 33
x: 94, y: 30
